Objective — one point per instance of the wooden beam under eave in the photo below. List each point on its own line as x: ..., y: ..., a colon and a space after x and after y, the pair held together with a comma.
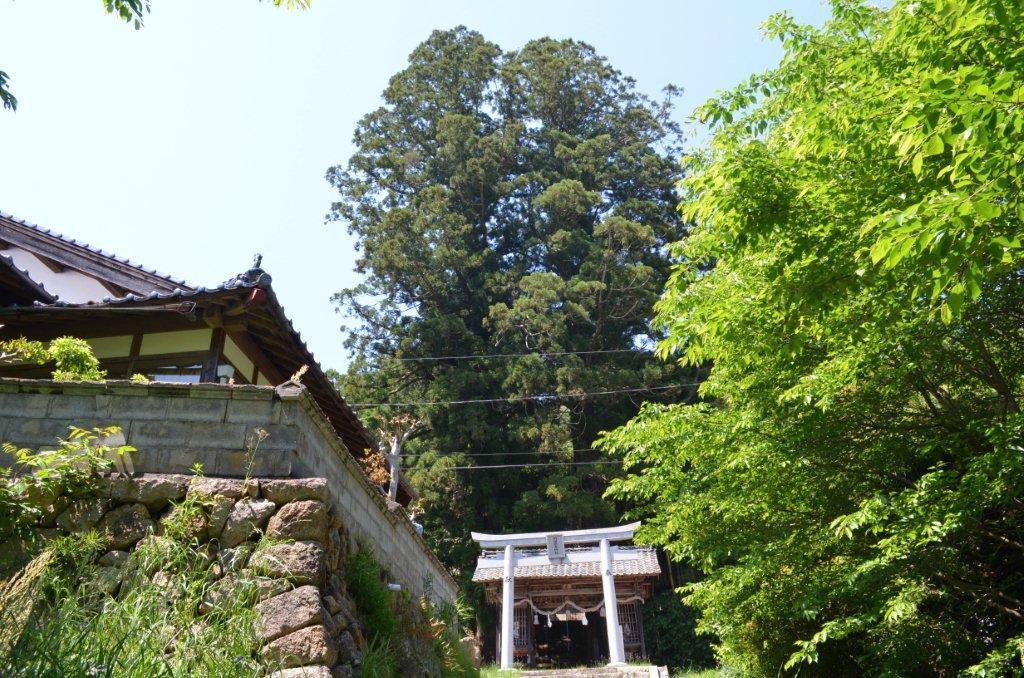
x: 53, y: 264
x: 252, y: 351
x: 229, y: 325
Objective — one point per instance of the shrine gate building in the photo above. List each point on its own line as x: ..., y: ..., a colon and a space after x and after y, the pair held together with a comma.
x: 567, y: 598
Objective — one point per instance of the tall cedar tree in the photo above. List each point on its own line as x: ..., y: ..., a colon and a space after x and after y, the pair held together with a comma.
x: 508, y: 203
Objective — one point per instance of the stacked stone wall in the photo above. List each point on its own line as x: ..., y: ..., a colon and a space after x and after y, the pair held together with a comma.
x: 175, y: 426
x: 307, y: 623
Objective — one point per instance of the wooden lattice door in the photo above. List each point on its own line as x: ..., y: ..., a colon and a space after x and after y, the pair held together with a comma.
x: 522, y: 624
x: 632, y: 626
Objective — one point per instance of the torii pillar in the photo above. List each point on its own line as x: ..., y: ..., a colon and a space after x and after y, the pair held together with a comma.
x: 508, y: 601
x: 616, y: 651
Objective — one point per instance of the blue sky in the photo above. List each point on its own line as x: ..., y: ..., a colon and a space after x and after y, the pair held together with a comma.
x: 203, y: 138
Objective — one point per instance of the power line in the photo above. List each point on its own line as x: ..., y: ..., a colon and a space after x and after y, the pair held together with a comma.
x: 512, y: 399
x: 538, y: 465
x: 480, y: 356
x: 500, y: 454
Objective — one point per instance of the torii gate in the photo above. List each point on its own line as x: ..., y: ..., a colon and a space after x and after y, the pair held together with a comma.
x: 555, y: 543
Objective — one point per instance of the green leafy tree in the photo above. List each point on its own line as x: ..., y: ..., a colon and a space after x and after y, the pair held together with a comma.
x: 507, y: 203
x: 132, y: 12
x: 853, y: 483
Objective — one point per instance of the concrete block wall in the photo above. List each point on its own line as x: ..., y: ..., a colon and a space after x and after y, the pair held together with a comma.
x: 176, y: 425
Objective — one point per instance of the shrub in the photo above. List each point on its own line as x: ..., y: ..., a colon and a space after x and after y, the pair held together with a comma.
x: 72, y: 357
x: 74, y: 360
x: 445, y: 632
x: 40, y: 477
x: 379, y: 660
x: 406, y: 639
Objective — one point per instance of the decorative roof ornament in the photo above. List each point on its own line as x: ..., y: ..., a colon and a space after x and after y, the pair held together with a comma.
x: 254, y: 277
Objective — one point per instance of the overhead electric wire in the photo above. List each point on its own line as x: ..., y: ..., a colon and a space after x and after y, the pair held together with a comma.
x: 501, y: 454
x: 538, y: 465
x: 512, y: 399
x: 481, y: 356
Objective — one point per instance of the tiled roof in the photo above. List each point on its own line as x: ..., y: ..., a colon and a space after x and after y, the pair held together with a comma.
x: 30, y: 286
x: 645, y: 564
x: 249, y: 279
x: 93, y: 250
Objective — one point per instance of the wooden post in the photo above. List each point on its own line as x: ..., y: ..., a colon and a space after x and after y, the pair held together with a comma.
x: 508, y: 598
x: 616, y: 652
x: 209, y: 373
x: 133, y: 354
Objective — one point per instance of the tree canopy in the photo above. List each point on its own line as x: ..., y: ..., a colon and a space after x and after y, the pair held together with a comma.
x: 515, y: 205
x: 852, y: 482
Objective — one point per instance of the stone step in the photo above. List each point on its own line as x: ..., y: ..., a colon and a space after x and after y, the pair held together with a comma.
x: 602, y: 672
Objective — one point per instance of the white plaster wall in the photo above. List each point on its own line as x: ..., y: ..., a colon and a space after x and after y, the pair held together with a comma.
x: 68, y: 285
x: 237, y: 358
x: 111, y: 347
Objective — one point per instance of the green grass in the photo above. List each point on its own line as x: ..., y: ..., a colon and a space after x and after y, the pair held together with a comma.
x: 495, y: 672
x: 372, y: 597
x: 151, y: 629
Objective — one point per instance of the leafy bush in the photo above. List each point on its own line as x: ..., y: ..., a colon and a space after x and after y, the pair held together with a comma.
x: 22, y: 350
x: 74, y: 360
x: 38, y: 478
x: 72, y: 357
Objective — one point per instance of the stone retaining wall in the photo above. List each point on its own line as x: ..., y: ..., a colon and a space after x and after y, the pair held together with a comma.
x: 305, y: 616
x: 175, y: 426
